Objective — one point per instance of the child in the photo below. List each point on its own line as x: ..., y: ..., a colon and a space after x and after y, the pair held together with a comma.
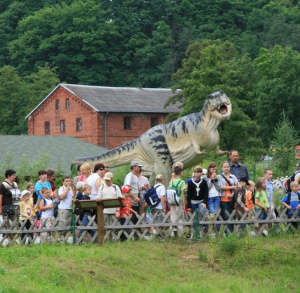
x: 41, y: 183
x: 86, y: 192
x: 65, y: 206
x: 197, y: 194
x: 30, y: 187
x: 47, y: 212
x: 26, y: 210
x: 125, y: 211
x: 292, y: 201
x: 180, y: 186
x: 261, y: 200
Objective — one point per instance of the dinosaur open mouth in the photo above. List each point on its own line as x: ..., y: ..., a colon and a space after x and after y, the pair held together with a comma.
x: 222, y: 109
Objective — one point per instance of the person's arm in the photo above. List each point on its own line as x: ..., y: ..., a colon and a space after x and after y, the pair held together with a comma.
x: 98, y: 184
x: 247, y: 173
x: 183, y: 193
x: 136, y: 198
x: 205, y: 191
x: 260, y: 205
x: 43, y: 207
x: 63, y: 195
x: 283, y: 202
x: 1, y: 204
x: 100, y: 193
x: 117, y: 214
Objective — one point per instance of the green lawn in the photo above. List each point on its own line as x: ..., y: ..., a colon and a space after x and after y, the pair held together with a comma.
x: 229, y: 264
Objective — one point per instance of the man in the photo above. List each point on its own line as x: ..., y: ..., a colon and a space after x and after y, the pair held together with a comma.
x: 109, y: 190
x: 236, y: 168
x: 268, y: 174
x: 132, y: 181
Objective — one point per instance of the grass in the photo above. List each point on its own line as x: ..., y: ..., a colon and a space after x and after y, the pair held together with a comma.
x: 229, y: 264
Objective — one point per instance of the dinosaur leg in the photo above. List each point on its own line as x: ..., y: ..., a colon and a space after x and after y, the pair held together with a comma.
x: 197, y: 149
x: 219, y: 152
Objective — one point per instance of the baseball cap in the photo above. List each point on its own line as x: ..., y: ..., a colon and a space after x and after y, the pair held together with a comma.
x: 244, y: 179
x: 108, y: 176
x: 125, y: 189
x: 136, y: 163
x: 24, y: 192
x: 79, y: 185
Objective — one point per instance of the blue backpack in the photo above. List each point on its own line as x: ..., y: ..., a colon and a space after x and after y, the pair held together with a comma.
x: 151, y: 197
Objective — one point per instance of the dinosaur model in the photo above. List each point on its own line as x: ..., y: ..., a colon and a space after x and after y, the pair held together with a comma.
x: 186, y: 139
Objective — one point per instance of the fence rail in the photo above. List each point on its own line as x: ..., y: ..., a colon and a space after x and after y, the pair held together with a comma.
x: 200, y: 224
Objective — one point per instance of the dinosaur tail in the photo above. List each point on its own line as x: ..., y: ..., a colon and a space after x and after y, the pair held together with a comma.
x: 116, y: 157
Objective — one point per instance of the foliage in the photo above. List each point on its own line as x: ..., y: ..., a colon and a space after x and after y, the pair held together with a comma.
x: 209, y: 67
x: 277, y: 88
x: 27, y: 168
x: 284, y: 142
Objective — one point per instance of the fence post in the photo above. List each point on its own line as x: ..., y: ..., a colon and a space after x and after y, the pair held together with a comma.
x: 73, y: 228
x: 196, y: 224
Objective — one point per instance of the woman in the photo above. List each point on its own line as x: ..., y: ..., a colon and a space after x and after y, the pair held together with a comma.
x: 229, y: 184
x: 214, y: 192
x: 85, y: 170
x: 96, y: 179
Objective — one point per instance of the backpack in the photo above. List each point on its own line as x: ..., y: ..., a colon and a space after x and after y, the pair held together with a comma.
x: 151, y: 197
x: 287, y: 183
x: 172, y: 194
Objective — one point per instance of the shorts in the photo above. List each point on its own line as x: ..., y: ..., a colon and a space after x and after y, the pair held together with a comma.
x: 263, y: 215
x: 213, y: 204
x: 109, y: 219
x: 65, y: 218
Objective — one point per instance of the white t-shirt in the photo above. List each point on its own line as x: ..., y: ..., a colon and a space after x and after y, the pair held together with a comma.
x: 49, y: 213
x: 132, y: 181
x: 91, y: 180
x: 66, y: 203
x: 112, y: 191
x: 161, y: 191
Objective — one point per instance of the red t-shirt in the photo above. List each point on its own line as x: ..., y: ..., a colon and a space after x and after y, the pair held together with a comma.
x: 125, y: 211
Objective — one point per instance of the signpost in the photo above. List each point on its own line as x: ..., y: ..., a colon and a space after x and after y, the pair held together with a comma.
x: 100, y: 205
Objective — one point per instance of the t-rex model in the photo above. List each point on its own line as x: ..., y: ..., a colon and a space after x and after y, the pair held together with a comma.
x: 186, y: 139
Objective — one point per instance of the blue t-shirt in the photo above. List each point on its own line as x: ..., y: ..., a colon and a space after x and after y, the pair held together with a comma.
x: 39, y: 186
x: 293, y: 203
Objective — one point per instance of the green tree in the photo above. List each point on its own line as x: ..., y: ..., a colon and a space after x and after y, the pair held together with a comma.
x: 211, y: 66
x: 278, y: 88
x: 14, y: 95
x: 285, y: 139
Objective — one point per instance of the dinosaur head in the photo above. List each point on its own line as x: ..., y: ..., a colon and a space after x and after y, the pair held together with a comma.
x: 219, y: 105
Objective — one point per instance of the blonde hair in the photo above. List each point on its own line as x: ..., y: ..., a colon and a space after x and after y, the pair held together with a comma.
x: 251, y: 183
x: 177, y: 164
x: 293, y: 183
x: 259, y: 183
x: 86, y: 169
x: 86, y: 186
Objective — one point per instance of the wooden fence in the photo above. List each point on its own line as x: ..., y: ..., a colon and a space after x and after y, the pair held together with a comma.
x: 16, y: 232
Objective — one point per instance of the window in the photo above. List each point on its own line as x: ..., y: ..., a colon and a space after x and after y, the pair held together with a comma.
x: 62, y: 126
x: 127, y: 123
x: 47, y: 127
x: 67, y: 104
x: 154, y: 121
x: 57, y: 105
x: 78, y: 124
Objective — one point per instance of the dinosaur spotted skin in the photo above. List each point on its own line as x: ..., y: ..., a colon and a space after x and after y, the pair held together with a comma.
x: 186, y: 139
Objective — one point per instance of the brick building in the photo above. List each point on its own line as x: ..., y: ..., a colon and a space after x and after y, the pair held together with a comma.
x: 105, y: 116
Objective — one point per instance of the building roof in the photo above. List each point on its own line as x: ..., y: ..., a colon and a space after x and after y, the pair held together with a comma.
x: 121, y: 99
x: 61, y: 150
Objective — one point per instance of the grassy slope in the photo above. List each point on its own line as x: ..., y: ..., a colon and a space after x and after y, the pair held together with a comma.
x: 221, y: 265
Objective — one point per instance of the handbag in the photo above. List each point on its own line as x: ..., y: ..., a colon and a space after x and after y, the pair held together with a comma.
x: 10, y: 210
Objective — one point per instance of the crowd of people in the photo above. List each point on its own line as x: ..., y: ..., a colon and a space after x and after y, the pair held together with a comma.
x: 229, y: 190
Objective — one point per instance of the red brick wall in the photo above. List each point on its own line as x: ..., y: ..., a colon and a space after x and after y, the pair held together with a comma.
x: 140, y: 123
x: 93, y: 123
x: 47, y: 113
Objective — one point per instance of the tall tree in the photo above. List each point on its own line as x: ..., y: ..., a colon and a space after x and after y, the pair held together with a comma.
x: 277, y: 89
